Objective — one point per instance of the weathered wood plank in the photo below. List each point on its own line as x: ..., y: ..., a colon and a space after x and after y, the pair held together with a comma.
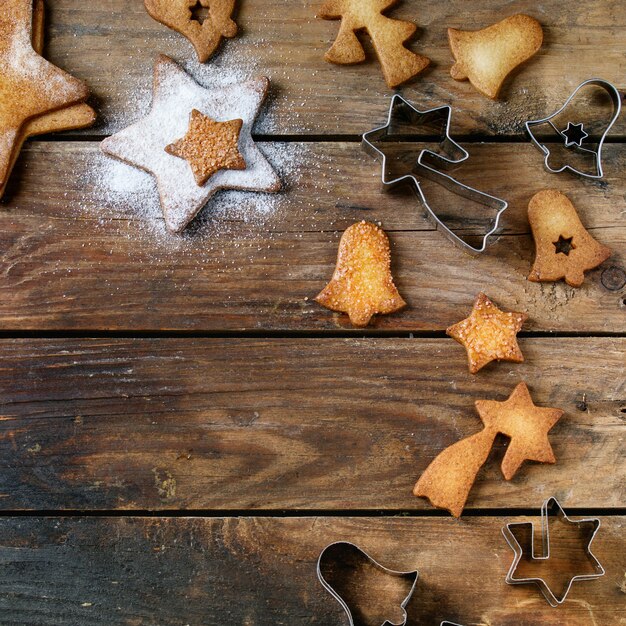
x: 83, y: 246
x: 260, y: 572
x: 112, y: 45
x: 299, y: 424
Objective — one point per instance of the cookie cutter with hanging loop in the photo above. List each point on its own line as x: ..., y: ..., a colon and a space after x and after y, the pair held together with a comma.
x: 574, y: 134
x: 409, y: 577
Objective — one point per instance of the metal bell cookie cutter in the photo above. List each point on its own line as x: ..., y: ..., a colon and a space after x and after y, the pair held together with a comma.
x: 427, y: 164
x: 574, y: 135
x: 410, y: 577
x: 552, y: 599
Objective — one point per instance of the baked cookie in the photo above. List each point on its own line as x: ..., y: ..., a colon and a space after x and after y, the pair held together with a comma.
x: 447, y: 481
x: 486, y: 57
x: 489, y: 334
x: 144, y: 144
x: 564, y: 248
x: 362, y: 284
x: 37, y: 97
x: 183, y: 16
x: 388, y: 37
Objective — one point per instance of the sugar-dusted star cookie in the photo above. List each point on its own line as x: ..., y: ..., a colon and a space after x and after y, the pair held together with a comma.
x: 204, y: 29
x: 145, y: 143
x: 31, y: 87
x: 362, y: 284
x: 209, y: 146
x: 564, y: 247
x: 447, y: 481
x: 489, y: 334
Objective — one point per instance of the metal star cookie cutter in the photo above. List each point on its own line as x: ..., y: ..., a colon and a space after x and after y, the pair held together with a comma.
x: 411, y: 577
x: 577, y: 143
x: 450, y: 155
x: 552, y: 599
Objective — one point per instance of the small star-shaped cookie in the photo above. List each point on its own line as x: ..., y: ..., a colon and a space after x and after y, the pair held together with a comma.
x: 31, y: 86
x: 489, y: 334
x: 526, y: 424
x: 209, y: 146
x: 144, y: 144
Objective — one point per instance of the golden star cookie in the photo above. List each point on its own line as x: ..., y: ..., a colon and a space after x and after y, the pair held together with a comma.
x: 31, y: 86
x: 362, y: 284
x: 486, y: 57
x: 205, y: 35
x: 447, y: 481
x: 489, y: 334
x: 564, y: 248
x: 209, y: 146
x: 388, y: 37
x: 144, y: 144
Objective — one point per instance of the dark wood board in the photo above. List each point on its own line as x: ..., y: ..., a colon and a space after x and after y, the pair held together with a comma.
x: 302, y: 424
x: 261, y: 572
x: 112, y: 46
x: 79, y: 252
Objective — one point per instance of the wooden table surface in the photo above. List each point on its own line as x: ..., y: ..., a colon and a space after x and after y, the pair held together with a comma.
x: 183, y: 429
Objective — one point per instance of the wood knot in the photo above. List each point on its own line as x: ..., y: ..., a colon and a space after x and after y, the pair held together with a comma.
x: 613, y: 278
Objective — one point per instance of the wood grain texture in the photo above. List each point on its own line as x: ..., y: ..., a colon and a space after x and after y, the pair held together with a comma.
x: 112, y: 46
x: 299, y: 424
x: 261, y: 572
x: 84, y: 248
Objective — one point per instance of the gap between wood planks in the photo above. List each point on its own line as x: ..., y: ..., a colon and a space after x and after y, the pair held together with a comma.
x: 296, y: 513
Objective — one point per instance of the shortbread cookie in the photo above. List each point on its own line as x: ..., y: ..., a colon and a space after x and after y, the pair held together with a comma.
x: 71, y: 118
x: 564, y: 248
x: 204, y: 35
x: 447, y: 481
x: 362, y: 284
x: 486, y: 57
x: 388, y: 37
x: 489, y: 334
x: 144, y: 144
x: 31, y: 85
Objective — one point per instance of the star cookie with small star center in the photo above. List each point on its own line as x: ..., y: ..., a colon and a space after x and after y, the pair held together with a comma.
x: 195, y: 142
x: 489, y: 334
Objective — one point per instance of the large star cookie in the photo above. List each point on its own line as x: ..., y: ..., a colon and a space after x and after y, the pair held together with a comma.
x: 489, y: 334
x: 144, y: 144
x: 35, y: 96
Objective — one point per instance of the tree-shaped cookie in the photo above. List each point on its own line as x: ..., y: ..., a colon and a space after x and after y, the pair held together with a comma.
x: 362, y: 284
x: 564, y: 248
x: 388, y: 37
x: 448, y: 479
x: 186, y: 17
x: 486, y: 57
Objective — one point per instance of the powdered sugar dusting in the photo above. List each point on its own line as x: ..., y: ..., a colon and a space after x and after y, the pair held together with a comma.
x: 118, y: 194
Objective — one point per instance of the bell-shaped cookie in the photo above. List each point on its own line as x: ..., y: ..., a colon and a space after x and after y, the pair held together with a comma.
x: 486, y: 57
x: 564, y: 248
x: 362, y: 284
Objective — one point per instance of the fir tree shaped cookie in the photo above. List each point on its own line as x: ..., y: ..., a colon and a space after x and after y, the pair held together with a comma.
x: 388, y: 37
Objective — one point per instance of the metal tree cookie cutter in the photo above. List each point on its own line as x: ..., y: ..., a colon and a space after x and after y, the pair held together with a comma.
x: 426, y: 166
x: 552, y: 599
x: 357, y: 619
x: 574, y: 135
